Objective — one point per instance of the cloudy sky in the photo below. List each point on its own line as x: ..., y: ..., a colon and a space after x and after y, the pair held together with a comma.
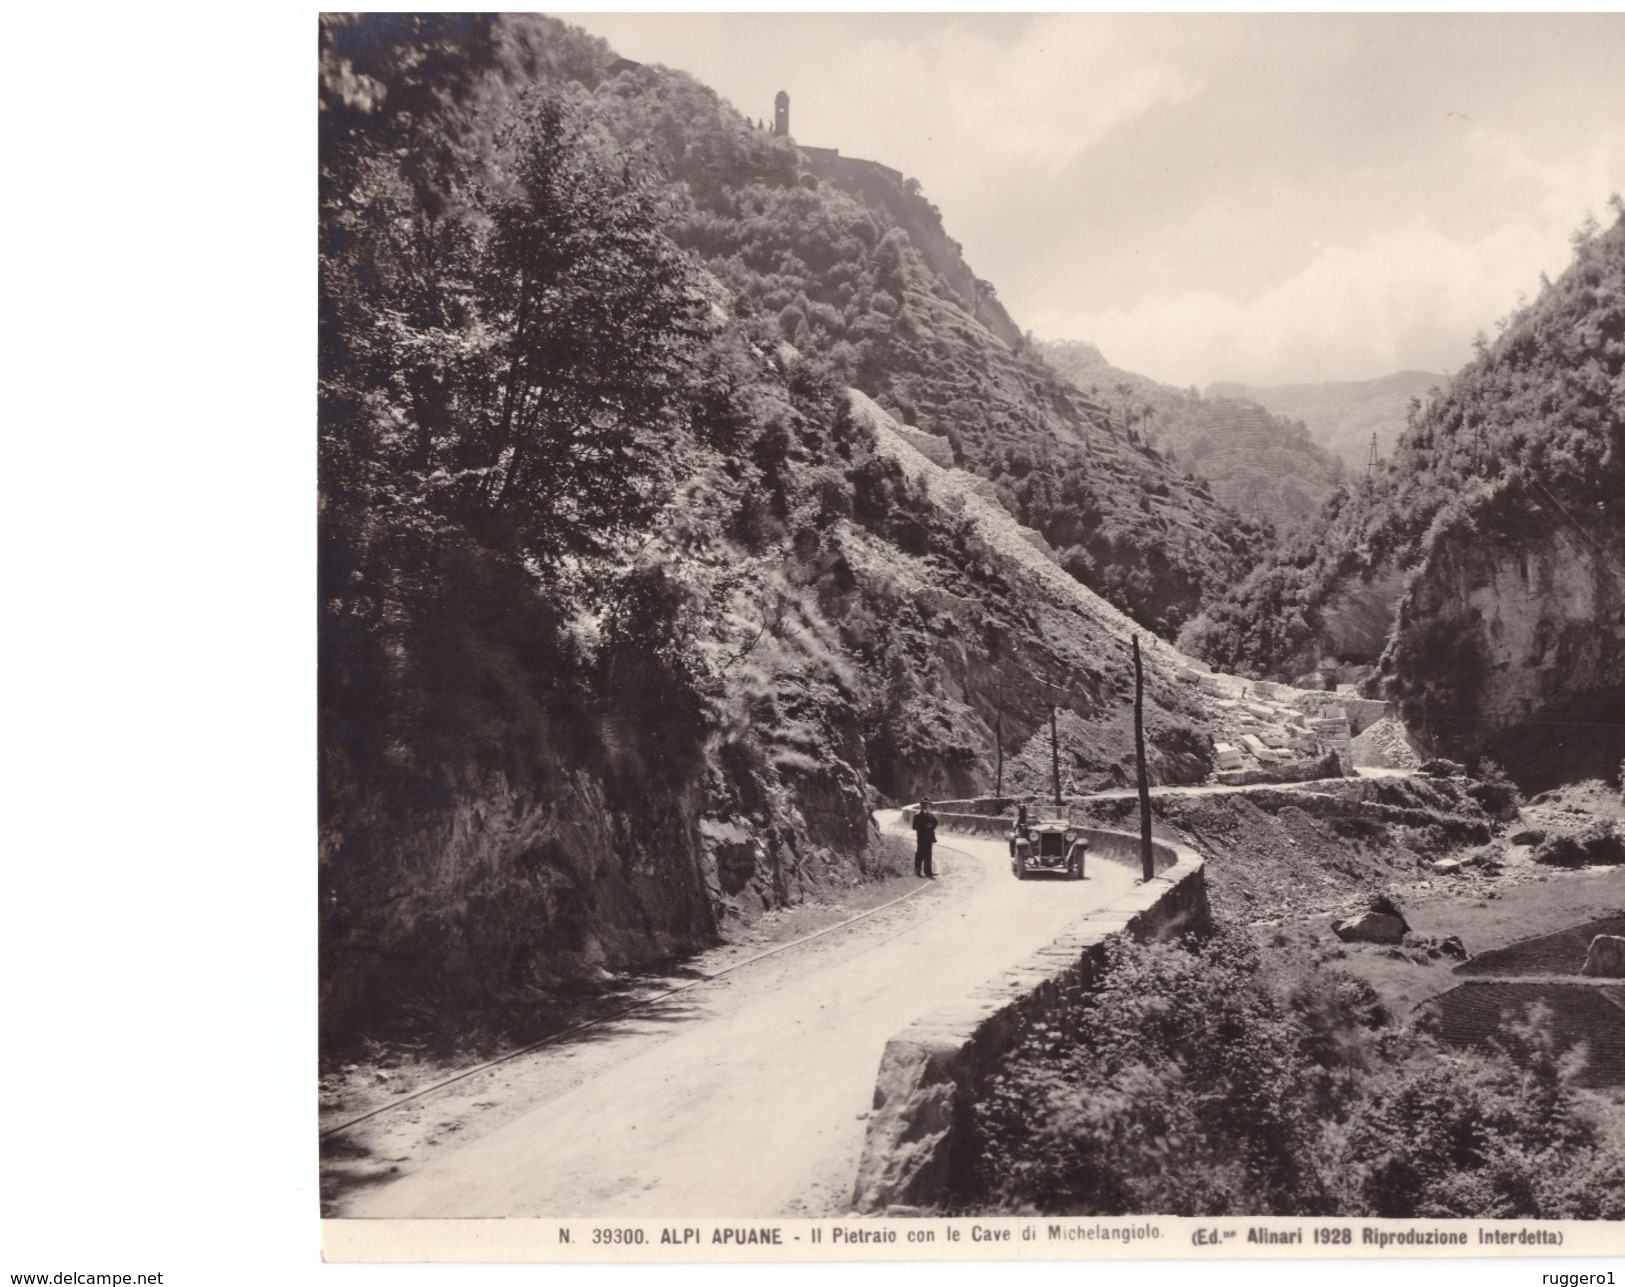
x: 1261, y: 198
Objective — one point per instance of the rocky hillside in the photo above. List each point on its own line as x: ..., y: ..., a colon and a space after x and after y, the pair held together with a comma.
x: 644, y: 569
x: 1488, y: 557
x: 832, y: 260
x: 1342, y: 415
x: 1259, y: 463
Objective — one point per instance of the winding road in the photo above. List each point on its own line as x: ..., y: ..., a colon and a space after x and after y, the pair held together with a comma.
x: 747, y: 1095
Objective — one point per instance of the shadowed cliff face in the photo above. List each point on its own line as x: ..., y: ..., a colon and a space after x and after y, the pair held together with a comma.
x: 1358, y: 616
x: 1518, y: 648
x: 432, y: 907
x: 491, y: 896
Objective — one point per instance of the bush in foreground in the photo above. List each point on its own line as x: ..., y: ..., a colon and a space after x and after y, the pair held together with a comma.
x: 1206, y: 1079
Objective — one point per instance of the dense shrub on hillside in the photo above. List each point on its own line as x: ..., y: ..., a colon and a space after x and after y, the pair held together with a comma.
x: 1206, y: 1079
x: 1595, y: 843
x: 1495, y: 791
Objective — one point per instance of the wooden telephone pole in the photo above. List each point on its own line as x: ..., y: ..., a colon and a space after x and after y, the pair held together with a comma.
x: 1055, y: 697
x: 998, y: 742
x: 1054, y: 757
x: 1147, y: 868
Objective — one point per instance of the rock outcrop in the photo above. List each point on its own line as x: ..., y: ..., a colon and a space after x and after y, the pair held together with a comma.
x: 1605, y: 958
x: 1371, y: 927
x: 1519, y: 648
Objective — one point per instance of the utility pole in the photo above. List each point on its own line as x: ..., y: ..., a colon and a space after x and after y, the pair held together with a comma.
x: 1371, y: 460
x: 998, y: 742
x: 1054, y: 757
x: 1147, y: 868
x: 1054, y: 695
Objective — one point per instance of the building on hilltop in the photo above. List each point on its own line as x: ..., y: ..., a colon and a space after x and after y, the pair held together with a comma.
x: 781, y: 115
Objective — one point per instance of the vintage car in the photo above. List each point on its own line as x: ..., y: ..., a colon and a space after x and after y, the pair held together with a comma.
x: 1054, y: 847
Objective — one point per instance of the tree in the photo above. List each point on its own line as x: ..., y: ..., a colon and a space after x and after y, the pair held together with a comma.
x: 594, y: 326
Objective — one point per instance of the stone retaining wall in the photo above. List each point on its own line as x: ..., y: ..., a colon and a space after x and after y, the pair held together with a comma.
x: 918, y: 1149
x: 1332, y: 764
x: 1360, y: 712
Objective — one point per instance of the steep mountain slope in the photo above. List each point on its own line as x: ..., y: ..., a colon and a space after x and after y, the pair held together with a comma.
x: 1257, y: 463
x: 1341, y: 416
x: 631, y: 608
x: 1488, y: 555
x: 825, y: 250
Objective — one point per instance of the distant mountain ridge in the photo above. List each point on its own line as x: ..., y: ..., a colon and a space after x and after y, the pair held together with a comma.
x: 1259, y: 462
x: 1341, y: 415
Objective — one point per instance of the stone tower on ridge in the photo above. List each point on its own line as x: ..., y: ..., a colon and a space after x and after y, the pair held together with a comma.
x: 781, y: 115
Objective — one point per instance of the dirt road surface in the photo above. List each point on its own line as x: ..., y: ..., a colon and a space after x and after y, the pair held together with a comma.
x: 749, y: 1098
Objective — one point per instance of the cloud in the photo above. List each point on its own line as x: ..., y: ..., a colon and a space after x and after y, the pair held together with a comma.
x: 961, y: 96
x: 1411, y: 293
x: 1559, y: 187
x: 1264, y: 198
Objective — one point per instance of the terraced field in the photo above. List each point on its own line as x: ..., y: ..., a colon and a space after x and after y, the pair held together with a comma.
x: 1561, y: 953
x: 1476, y: 1013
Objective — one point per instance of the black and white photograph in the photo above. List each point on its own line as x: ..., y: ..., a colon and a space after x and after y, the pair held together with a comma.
x: 968, y: 616
x: 816, y: 642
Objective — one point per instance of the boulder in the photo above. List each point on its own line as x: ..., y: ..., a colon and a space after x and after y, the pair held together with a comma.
x: 1528, y: 836
x: 1272, y: 736
x: 1370, y: 927
x: 1254, y: 745
x: 1453, y: 946
x: 1605, y: 958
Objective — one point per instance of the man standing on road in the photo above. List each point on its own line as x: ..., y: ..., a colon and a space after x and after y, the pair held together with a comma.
x: 925, y: 835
